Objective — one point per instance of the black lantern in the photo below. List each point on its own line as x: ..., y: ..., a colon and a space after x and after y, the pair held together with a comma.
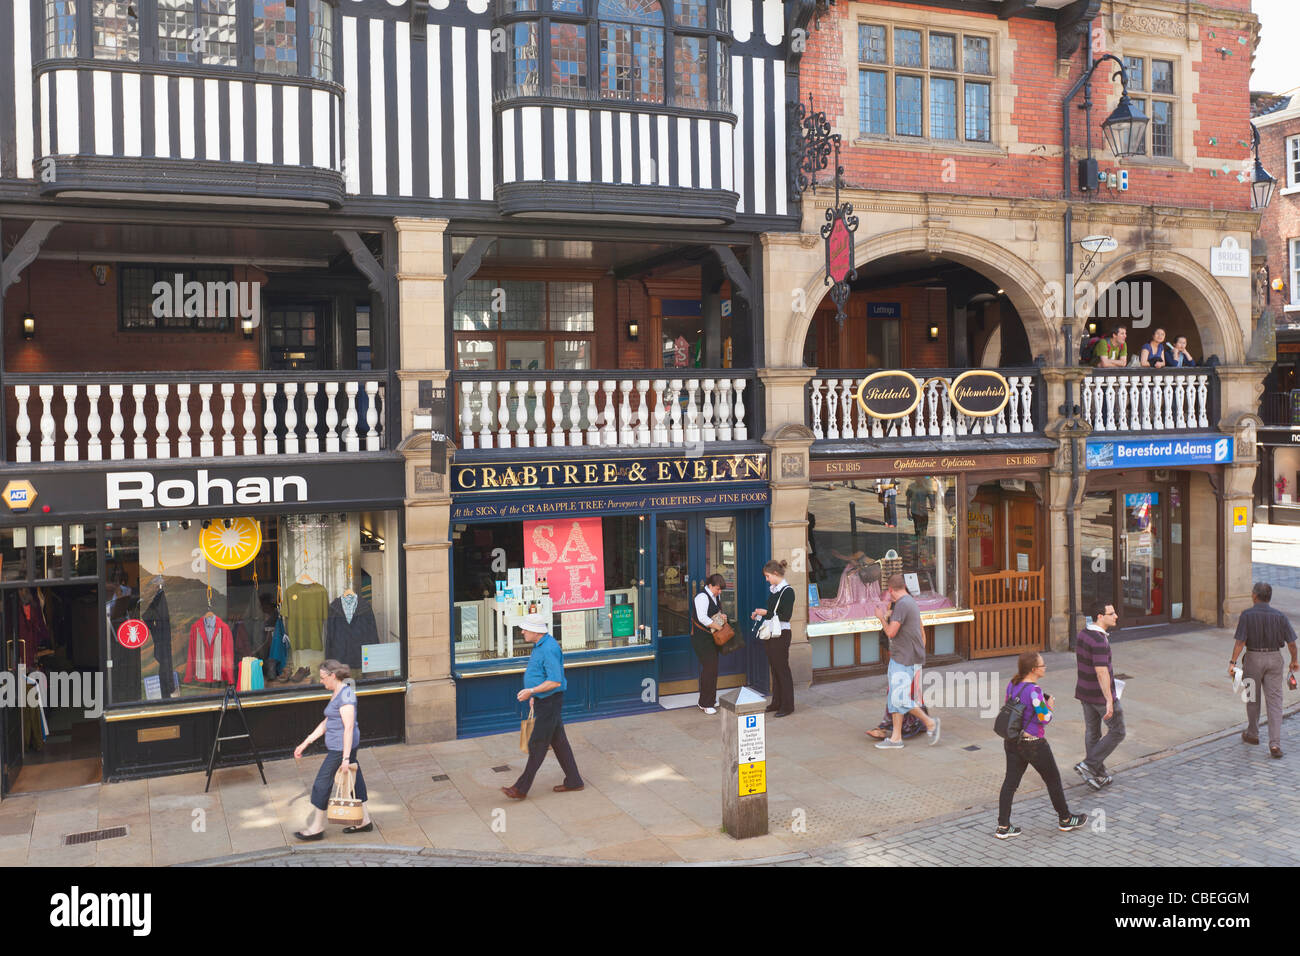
x: 1125, y: 129
x: 29, y: 326
x: 1261, y: 183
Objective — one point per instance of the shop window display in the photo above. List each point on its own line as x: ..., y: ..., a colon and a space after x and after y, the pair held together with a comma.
x: 861, y: 532
x: 580, y: 573
x: 196, y: 604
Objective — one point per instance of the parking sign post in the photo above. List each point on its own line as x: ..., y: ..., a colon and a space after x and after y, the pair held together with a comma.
x: 744, y: 763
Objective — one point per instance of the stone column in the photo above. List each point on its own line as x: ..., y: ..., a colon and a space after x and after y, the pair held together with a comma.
x: 1056, y: 499
x: 1240, y: 389
x: 790, y: 441
x: 431, y: 694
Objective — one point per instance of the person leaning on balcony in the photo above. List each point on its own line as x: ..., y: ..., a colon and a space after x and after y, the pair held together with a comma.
x: 1155, y: 353
x: 1112, y: 352
x: 1177, y: 356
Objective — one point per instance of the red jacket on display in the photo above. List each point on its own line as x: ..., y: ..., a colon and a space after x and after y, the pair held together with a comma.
x: 211, y: 659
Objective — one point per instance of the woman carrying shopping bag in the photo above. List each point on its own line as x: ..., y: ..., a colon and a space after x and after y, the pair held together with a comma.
x: 342, y: 736
x: 706, y: 623
x: 775, y: 633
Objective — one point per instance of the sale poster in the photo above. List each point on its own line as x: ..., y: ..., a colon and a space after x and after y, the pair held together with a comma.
x: 570, y: 553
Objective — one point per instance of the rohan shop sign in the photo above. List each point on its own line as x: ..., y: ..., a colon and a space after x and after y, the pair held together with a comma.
x: 608, y: 473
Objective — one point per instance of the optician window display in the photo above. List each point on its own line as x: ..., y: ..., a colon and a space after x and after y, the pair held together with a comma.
x: 197, y: 604
x: 578, y: 572
x: 860, y: 536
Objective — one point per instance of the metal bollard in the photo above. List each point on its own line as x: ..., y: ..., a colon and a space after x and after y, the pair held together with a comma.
x: 744, y: 763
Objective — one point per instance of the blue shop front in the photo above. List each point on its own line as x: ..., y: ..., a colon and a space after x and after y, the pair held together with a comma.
x: 612, y: 551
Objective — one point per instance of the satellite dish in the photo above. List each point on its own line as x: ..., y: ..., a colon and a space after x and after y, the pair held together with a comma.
x: 1096, y: 244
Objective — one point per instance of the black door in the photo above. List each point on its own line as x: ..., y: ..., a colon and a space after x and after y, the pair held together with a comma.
x: 295, y: 335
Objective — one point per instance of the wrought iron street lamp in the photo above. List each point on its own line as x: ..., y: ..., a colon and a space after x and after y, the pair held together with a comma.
x: 1261, y: 183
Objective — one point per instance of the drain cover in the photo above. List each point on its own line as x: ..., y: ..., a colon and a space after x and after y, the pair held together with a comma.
x: 440, y: 777
x: 93, y: 836
x: 504, y: 768
x: 971, y: 747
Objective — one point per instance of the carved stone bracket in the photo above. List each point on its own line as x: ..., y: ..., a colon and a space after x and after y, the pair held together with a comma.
x: 25, y: 251
x: 1072, y: 26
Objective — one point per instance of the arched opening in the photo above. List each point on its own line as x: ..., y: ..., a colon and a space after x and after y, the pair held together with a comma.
x: 915, y: 310
x: 1144, y: 304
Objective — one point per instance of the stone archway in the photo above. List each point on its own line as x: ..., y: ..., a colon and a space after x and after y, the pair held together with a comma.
x: 1211, y: 307
x: 1023, y: 284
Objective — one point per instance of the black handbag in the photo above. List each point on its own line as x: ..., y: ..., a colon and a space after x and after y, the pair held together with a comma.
x: 1010, y: 722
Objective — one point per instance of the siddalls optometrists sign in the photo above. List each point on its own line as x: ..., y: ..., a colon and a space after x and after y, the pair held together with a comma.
x: 1158, y: 452
x: 596, y: 473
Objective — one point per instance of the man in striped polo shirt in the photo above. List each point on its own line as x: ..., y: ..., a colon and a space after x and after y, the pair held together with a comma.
x: 1095, y: 690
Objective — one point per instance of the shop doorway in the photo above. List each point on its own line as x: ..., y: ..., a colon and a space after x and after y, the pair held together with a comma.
x: 1132, y: 552
x: 55, y: 689
x: 1005, y: 561
x: 688, y: 549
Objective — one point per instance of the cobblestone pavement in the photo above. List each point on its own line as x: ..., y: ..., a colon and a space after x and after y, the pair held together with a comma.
x: 1287, y: 576
x: 1221, y: 803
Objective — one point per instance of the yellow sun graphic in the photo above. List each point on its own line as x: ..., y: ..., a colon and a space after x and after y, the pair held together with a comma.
x: 233, y: 547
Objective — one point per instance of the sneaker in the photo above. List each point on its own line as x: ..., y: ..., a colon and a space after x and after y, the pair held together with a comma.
x: 1089, y: 777
x: 708, y: 710
x: 1006, y: 833
x: 888, y: 744
x: 1104, y: 780
x: 934, y: 734
x: 1072, y: 822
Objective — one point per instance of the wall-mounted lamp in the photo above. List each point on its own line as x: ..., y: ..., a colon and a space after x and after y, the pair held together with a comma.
x: 101, y: 272
x: 1002, y: 292
x: 1092, y: 328
x: 246, y: 325
x: 29, y: 326
x: 633, y: 331
x: 933, y: 333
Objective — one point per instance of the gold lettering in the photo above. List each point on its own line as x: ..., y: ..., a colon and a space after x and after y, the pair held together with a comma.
x: 570, y: 474
x: 701, y: 469
x: 490, y: 478
x: 530, y: 475
x: 681, y: 467
x: 611, y: 471
x: 463, y: 478
x: 589, y: 472
x: 665, y: 471
x: 550, y: 473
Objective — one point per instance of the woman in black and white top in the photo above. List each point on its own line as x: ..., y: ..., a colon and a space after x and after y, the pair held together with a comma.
x: 780, y: 608
x: 707, y: 604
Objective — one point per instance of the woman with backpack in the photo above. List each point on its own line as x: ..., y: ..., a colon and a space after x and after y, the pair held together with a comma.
x: 1028, y: 711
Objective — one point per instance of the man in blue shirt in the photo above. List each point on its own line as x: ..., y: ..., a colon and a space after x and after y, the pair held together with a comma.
x: 544, y: 687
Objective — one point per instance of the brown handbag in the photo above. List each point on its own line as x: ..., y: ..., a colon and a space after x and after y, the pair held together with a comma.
x: 343, y: 806
x: 723, y: 634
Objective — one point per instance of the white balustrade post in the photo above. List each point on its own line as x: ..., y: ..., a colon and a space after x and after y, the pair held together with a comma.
x: 643, y: 412
x: 1169, y: 400
x: 23, y: 424
x: 249, y: 390
x: 162, y: 442
x: 141, y: 447
x: 94, y: 443
x: 559, y: 436
x: 660, y: 413
x: 626, y: 430
x: 1087, y: 400
x: 846, y: 408
x: 593, y: 422
x: 1157, y: 404
x: 1027, y: 405
x: 724, y: 409
x: 522, y: 438
x: 677, y: 434
x: 46, y: 393
x: 373, y: 407
x: 466, y: 415
x: 485, y: 416
x: 575, y: 413
x: 291, y: 418
x: 539, y: 414
x: 708, y: 430
x: 270, y: 444
x: 1180, y: 402
x: 207, y: 447
x: 692, y: 423
x: 331, y: 416
x: 1203, y: 404
x: 1110, y: 403
x: 1013, y: 402
x: 352, y: 441
x: 949, y: 426
x: 311, y: 418
x: 815, y: 406
x: 931, y: 404
x: 1146, y: 401
x: 503, y: 413
x: 184, y: 446
x: 116, y: 446
x: 71, y: 450
x: 609, y: 437
x: 741, y: 432
x: 832, y: 409
x: 227, y: 418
